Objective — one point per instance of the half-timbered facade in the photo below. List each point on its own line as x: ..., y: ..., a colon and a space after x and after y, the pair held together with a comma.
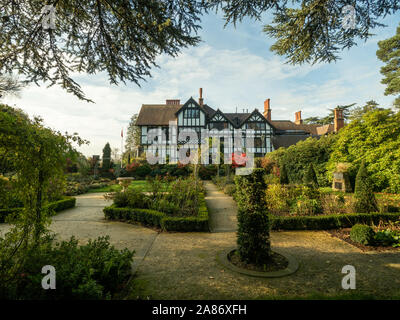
x: 172, y: 118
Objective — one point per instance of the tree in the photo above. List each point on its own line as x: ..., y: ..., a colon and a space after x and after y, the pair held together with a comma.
x: 253, y: 236
x: 310, y: 30
x: 283, y: 177
x: 38, y: 155
x: 310, y: 177
x: 106, y: 158
x: 389, y: 52
x: 374, y: 138
x: 124, y: 37
x: 330, y: 118
x: 9, y: 86
x: 132, y: 143
x: 298, y: 157
x: 121, y: 37
x: 358, y: 112
x: 364, y: 196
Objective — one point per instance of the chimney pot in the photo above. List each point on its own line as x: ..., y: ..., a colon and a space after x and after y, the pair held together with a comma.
x: 201, y: 100
x: 338, y: 121
x: 267, y: 110
x: 298, y: 119
x: 173, y: 102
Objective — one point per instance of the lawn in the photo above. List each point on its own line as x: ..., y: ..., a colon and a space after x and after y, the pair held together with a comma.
x: 137, y: 184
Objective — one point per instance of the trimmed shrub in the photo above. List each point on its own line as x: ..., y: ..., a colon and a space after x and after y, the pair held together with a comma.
x: 327, y: 222
x: 51, y: 208
x: 161, y: 219
x: 364, y: 197
x: 362, y: 233
x: 253, y: 221
x: 132, y: 198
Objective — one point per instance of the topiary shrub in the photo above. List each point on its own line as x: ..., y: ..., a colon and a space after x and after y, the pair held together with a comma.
x: 253, y: 220
x: 362, y: 233
x: 310, y: 177
x: 364, y: 197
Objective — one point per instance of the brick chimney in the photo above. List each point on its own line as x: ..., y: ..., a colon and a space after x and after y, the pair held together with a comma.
x: 338, y: 121
x: 267, y: 110
x: 173, y: 102
x: 298, y: 119
x: 201, y: 100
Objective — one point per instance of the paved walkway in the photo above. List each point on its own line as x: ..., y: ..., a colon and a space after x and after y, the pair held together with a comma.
x: 184, y: 266
x: 222, y: 209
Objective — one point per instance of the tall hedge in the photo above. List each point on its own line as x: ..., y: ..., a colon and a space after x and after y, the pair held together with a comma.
x: 364, y: 196
x: 253, y: 237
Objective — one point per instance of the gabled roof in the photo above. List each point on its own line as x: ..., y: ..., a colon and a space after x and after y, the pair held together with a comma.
x: 289, y: 125
x: 238, y: 119
x: 157, y: 114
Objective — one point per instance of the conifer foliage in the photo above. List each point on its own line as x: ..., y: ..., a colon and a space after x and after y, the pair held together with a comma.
x: 253, y: 237
x: 364, y: 196
x: 389, y: 52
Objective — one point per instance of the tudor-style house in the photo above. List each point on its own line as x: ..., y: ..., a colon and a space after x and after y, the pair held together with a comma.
x: 196, y: 115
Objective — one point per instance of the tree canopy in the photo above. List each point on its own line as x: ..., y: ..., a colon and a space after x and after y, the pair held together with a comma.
x: 389, y: 52
x: 375, y: 138
x: 123, y: 38
x: 120, y: 37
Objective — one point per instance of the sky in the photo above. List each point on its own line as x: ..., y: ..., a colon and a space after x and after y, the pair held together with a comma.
x: 236, y: 70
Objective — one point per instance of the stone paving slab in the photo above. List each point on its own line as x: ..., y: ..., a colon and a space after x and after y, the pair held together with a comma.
x: 222, y: 209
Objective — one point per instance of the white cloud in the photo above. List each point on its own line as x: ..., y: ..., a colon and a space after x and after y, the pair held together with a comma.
x: 230, y: 78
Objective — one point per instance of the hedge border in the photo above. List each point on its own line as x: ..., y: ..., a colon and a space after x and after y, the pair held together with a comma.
x: 160, y: 219
x: 53, y: 207
x: 326, y: 222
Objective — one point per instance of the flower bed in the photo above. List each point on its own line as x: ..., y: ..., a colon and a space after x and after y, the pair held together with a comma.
x: 159, y: 219
x: 52, y: 207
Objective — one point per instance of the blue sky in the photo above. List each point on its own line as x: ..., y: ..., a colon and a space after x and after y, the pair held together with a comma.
x: 235, y: 68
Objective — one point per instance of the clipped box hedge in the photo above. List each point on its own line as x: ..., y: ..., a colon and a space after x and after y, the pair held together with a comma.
x: 327, y: 222
x: 160, y: 219
x: 53, y: 207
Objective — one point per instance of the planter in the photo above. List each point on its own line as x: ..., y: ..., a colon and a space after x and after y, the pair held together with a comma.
x: 125, y: 182
x: 292, y: 267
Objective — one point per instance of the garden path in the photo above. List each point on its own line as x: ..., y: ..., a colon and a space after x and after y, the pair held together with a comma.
x: 183, y: 265
x: 222, y: 209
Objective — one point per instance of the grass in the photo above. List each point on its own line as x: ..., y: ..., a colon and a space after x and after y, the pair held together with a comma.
x: 136, y: 184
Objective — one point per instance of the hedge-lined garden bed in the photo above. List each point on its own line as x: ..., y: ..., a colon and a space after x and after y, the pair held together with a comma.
x: 159, y: 219
x: 334, y: 221
x: 53, y: 207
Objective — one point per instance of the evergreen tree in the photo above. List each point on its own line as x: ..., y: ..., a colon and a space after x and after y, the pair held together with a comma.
x: 364, y: 196
x: 106, y: 157
x: 283, y: 177
x: 122, y: 37
x: 9, y: 86
x: 253, y: 236
x: 310, y: 177
x: 389, y: 52
x: 125, y: 37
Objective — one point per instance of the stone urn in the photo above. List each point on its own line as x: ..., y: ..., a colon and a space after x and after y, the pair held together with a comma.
x: 125, y: 182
